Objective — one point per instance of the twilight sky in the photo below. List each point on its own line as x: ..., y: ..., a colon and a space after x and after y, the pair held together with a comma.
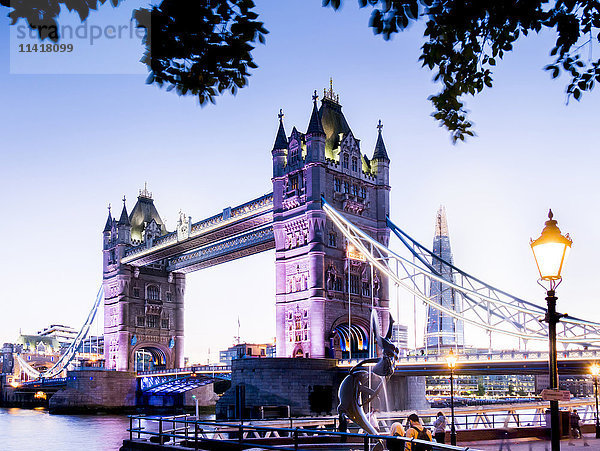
x: 79, y: 130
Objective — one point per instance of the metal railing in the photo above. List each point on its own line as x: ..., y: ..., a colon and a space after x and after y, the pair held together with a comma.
x: 508, y: 355
x: 187, y: 431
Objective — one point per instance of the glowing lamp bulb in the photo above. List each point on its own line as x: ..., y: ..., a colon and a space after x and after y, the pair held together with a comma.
x: 451, y: 359
x: 551, y: 250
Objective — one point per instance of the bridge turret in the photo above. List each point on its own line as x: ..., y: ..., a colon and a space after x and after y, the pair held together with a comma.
x: 380, y: 163
x: 107, y: 233
x: 124, y: 226
x: 279, y: 148
x: 315, y: 135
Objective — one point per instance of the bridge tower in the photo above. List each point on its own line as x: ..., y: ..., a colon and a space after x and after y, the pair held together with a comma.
x: 143, y: 306
x: 318, y: 277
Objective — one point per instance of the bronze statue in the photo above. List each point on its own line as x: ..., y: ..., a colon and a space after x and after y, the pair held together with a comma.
x: 355, y: 392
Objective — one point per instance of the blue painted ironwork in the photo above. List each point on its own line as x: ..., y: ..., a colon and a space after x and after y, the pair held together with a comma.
x: 230, y: 214
x: 222, y: 248
x: 46, y: 383
x: 171, y: 382
x: 486, y: 307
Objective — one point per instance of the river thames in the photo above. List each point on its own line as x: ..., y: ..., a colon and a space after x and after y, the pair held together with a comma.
x: 24, y: 430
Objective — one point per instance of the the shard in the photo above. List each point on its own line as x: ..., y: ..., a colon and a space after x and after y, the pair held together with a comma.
x: 443, y: 330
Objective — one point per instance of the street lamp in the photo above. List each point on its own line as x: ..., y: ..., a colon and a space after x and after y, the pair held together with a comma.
x: 451, y: 359
x: 595, y: 370
x: 196, y: 401
x: 550, y: 251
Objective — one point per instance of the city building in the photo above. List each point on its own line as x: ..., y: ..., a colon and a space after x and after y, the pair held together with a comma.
x: 63, y: 334
x: 7, y: 359
x: 400, y: 337
x: 443, y: 330
x: 245, y: 351
x: 34, y: 351
x: 579, y: 386
x: 495, y: 385
x: 90, y: 351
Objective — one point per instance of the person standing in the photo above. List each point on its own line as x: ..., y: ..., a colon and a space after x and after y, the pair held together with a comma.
x: 419, y: 432
x: 396, y: 430
x: 439, y: 428
x: 343, y: 427
x: 575, y: 427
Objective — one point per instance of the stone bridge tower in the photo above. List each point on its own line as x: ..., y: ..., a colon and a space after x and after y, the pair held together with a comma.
x: 143, y: 306
x: 315, y: 280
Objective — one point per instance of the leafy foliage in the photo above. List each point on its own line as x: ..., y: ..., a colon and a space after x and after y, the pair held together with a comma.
x: 464, y: 39
x: 203, y: 47
x: 200, y: 47
x: 41, y: 15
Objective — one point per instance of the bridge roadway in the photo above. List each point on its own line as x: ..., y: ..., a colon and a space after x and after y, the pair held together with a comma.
x: 236, y: 232
x: 575, y: 362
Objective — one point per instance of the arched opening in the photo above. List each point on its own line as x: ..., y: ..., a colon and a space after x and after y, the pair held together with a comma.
x: 150, y: 359
x: 351, y: 341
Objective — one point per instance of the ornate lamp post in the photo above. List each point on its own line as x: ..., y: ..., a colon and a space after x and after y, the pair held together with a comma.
x: 550, y: 251
x: 595, y: 370
x: 451, y: 359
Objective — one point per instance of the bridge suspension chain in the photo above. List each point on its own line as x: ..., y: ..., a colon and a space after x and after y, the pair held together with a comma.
x: 71, y: 351
x: 27, y: 368
x: 484, y: 306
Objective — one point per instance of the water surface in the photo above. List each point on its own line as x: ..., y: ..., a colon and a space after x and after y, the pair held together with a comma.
x: 24, y: 430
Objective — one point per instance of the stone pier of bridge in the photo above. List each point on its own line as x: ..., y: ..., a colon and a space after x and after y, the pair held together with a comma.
x: 308, y: 387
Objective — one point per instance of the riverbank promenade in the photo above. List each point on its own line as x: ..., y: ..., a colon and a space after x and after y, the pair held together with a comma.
x: 588, y: 443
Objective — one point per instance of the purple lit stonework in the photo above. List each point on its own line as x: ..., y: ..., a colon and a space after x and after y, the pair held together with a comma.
x: 145, y: 265
x: 313, y: 275
x: 143, y: 306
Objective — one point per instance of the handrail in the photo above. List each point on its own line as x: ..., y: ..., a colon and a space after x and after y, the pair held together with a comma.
x: 240, y: 433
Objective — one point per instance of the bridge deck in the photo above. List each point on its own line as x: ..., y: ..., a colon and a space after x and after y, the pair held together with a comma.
x: 232, y: 222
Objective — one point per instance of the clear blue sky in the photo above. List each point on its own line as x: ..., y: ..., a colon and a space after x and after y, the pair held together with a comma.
x: 73, y: 143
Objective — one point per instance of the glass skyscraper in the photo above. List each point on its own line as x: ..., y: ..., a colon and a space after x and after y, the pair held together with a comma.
x: 443, y: 330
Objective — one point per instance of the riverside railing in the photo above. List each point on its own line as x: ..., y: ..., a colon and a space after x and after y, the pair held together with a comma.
x: 186, y: 432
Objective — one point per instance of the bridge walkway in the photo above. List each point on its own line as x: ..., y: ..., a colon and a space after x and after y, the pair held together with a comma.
x: 588, y: 443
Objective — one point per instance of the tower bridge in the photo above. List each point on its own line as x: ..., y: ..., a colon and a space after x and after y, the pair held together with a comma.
x: 328, y: 219
x: 145, y: 266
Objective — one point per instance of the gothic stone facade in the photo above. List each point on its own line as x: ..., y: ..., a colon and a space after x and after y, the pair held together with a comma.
x: 143, y: 307
x: 313, y: 274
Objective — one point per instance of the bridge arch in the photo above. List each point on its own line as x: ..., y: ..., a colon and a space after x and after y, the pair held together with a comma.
x: 150, y: 356
x: 344, y: 337
x: 299, y: 352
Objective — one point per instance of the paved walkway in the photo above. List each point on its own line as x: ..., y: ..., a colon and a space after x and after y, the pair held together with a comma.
x: 588, y: 443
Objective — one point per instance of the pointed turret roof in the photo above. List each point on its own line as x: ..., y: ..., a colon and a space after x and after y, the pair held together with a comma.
x: 334, y: 123
x: 441, y: 224
x: 143, y: 213
x: 380, y: 153
x: 315, y: 126
x: 124, y: 219
x: 109, y: 221
x: 281, y: 141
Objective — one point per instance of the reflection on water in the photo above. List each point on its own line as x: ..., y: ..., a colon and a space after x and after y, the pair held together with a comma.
x: 24, y: 430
